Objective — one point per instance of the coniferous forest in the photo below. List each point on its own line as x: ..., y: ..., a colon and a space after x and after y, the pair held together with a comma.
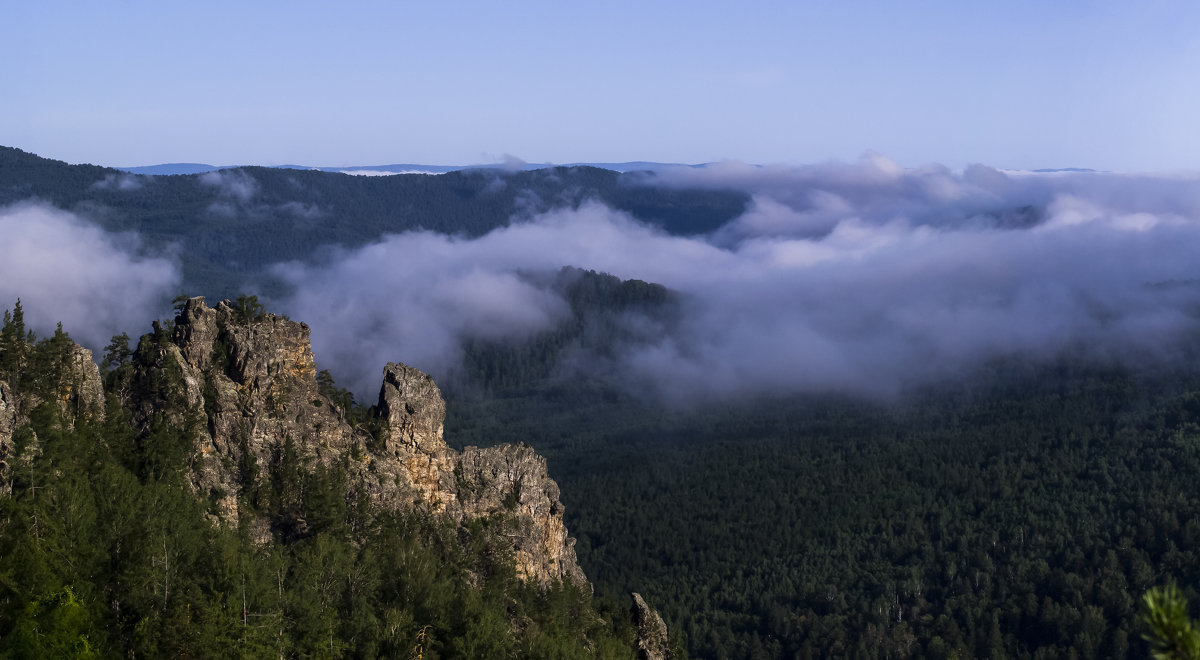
x: 106, y: 551
x: 1022, y: 513
x: 1020, y: 509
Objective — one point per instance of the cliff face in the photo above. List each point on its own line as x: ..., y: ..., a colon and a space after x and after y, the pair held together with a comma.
x: 244, y: 386
x: 652, y: 642
x: 241, y: 389
x: 508, y: 480
x: 8, y: 424
x: 81, y: 390
x: 76, y: 389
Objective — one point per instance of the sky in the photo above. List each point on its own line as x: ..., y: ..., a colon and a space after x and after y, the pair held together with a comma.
x: 1015, y: 85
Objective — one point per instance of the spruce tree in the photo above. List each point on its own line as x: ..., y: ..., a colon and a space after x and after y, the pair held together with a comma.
x: 14, y: 344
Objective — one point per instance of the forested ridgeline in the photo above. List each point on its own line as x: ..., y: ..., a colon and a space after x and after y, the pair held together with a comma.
x: 1019, y: 513
x: 237, y: 222
x: 607, y: 315
x: 1023, y: 513
x: 107, y: 548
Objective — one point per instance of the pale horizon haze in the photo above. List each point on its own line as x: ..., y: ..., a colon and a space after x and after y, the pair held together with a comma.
x: 1018, y: 85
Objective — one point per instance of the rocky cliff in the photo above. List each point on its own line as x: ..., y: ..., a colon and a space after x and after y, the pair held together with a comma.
x: 8, y: 423
x: 227, y: 402
x: 242, y: 387
x: 651, y: 631
x: 75, y: 387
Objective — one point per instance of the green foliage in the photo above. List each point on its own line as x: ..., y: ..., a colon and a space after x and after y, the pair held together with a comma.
x: 117, y: 353
x: 247, y: 310
x: 249, y: 473
x: 340, y: 397
x: 14, y: 345
x: 56, y: 626
x: 1172, y: 635
x: 1011, y: 516
x: 220, y: 355
x: 48, y: 369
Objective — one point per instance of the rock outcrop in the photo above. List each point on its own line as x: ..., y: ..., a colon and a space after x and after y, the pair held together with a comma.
x: 8, y: 424
x: 78, y: 392
x: 651, y: 631
x: 241, y: 389
x: 513, y: 479
x: 244, y: 388
x: 81, y: 391
x: 510, y: 480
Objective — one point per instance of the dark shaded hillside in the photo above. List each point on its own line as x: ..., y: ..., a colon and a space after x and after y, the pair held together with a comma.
x: 1021, y: 515
x: 233, y: 223
x: 607, y: 314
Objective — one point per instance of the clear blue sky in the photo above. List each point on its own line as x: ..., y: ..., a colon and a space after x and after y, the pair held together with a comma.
x: 1015, y: 84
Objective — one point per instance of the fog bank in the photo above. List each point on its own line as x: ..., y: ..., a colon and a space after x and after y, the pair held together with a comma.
x: 860, y: 277
x: 63, y: 268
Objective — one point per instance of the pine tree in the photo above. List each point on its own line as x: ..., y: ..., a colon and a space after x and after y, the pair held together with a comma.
x: 14, y: 344
x: 1173, y: 635
x: 117, y: 353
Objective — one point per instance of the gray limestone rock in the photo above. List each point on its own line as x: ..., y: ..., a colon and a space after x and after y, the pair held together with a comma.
x: 513, y: 480
x: 413, y: 407
x: 195, y: 331
x: 651, y: 631
x: 82, y: 392
x: 8, y: 424
x: 242, y: 387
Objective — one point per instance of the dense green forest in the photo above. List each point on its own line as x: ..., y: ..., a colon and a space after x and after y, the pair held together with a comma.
x: 1022, y: 524
x: 105, y: 551
x: 1019, y: 513
x: 235, y: 223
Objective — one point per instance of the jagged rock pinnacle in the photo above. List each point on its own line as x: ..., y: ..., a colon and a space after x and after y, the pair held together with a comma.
x: 414, y: 409
x: 243, y: 387
x: 651, y: 631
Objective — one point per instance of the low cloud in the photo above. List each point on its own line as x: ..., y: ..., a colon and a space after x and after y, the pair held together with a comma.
x: 66, y: 269
x: 120, y: 182
x: 861, y: 277
x: 234, y: 184
x: 302, y: 211
x: 511, y: 163
x: 413, y: 298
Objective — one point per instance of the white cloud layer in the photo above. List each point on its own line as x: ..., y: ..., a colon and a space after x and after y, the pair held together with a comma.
x: 65, y: 269
x: 857, y: 277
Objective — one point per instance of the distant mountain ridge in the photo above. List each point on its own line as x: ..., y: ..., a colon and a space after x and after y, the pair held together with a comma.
x: 238, y: 222
x: 400, y: 168
x: 172, y: 168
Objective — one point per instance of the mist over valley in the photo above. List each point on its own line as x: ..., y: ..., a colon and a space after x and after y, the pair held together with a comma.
x: 621, y: 331
x: 863, y: 278
x: 831, y: 409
